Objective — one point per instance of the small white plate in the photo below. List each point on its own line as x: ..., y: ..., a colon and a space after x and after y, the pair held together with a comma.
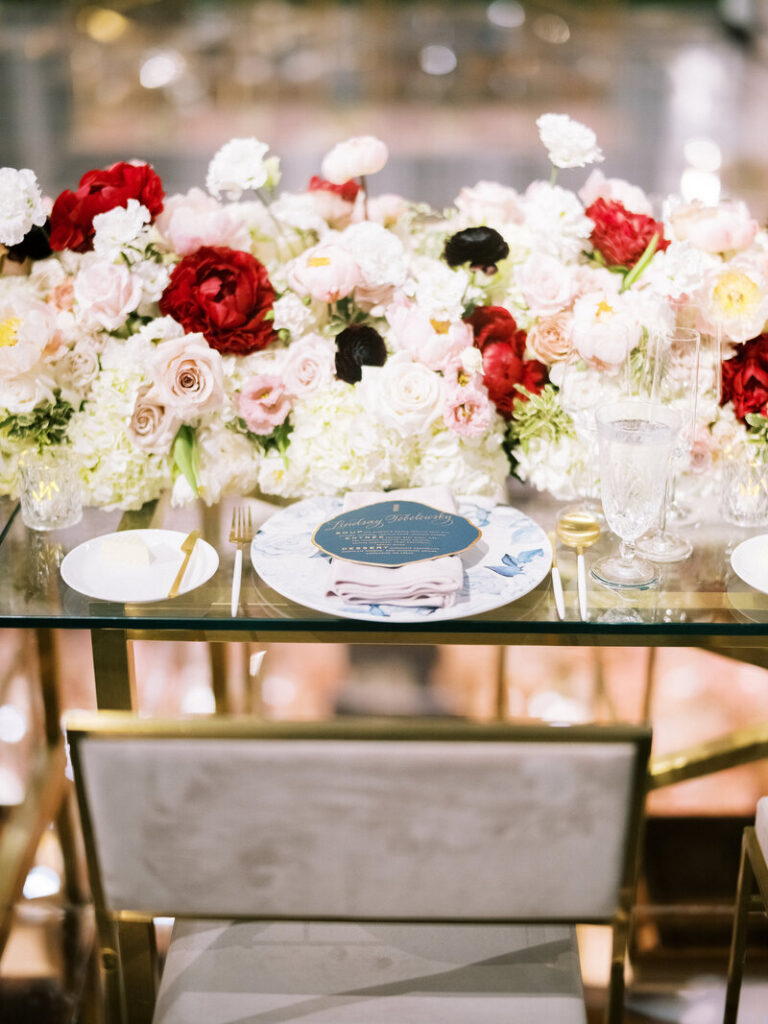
x: 749, y: 561
x: 512, y: 557
x: 92, y: 572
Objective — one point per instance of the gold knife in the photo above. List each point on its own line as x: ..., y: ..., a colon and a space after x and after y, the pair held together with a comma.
x: 187, y: 546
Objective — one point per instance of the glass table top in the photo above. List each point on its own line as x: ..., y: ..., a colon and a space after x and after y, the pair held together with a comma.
x: 698, y: 600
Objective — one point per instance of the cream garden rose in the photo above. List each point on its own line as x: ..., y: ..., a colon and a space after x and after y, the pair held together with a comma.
x: 188, y: 376
x: 153, y: 425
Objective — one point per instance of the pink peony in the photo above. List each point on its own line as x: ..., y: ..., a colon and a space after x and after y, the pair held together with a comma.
x: 263, y: 403
x: 105, y: 294
x: 724, y: 228
x: 326, y: 272
x: 428, y: 339
x: 196, y: 219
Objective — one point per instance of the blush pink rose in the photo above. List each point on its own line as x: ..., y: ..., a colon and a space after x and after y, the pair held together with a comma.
x: 548, y: 286
x: 309, y: 364
x: 196, y: 219
x: 354, y: 158
x: 105, y: 294
x: 430, y: 340
x: 153, y: 425
x: 468, y: 411
x: 632, y: 198
x: 724, y: 228
x: 188, y: 375
x: 549, y: 340
x: 264, y: 403
x: 325, y: 272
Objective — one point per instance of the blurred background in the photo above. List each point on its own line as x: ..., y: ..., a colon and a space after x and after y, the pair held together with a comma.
x: 675, y: 91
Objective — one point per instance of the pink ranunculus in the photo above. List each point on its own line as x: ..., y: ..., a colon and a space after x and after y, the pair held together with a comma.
x: 727, y: 227
x: 468, y: 411
x: 105, y: 293
x: 632, y: 198
x: 430, y: 340
x: 354, y: 158
x: 309, y: 364
x: 264, y: 403
x: 548, y: 286
x: 196, y: 219
x: 188, y: 375
x: 326, y: 272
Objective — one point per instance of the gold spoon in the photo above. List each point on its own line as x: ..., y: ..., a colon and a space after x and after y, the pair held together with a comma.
x: 579, y: 529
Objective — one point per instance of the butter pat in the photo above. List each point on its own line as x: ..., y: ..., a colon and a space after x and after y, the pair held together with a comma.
x: 126, y: 552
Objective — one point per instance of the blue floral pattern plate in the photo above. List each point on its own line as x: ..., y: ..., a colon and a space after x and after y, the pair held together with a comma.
x: 512, y: 557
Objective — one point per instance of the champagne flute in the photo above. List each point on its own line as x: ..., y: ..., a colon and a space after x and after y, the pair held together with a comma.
x: 635, y: 439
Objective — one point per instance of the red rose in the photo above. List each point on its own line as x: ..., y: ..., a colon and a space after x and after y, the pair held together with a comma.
x: 504, y: 366
x: 225, y: 295
x: 745, y: 378
x: 347, y: 191
x: 620, y: 236
x: 100, y: 191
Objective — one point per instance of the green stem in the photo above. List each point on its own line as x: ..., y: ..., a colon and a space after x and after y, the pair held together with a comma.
x: 641, y: 264
x: 553, y: 176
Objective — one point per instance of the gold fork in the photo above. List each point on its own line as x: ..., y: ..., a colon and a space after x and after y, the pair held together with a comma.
x: 240, y: 534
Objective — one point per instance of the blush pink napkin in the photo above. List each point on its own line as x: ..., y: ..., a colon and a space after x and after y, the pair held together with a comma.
x: 429, y: 584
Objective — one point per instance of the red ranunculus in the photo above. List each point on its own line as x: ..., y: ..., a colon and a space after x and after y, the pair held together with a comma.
x: 503, y: 346
x: 100, y: 191
x: 347, y: 191
x: 224, y: 294
x: 619, y: 235
x: 745, y: 378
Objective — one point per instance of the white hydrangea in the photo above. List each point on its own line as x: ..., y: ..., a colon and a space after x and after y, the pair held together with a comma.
x: 379, y: 253
x: 238, y: 166
x: 556, y: 220
x: 298, y: 211
x: 569, y: 143
x: 120, y: 230
x: 471, y: 468
x: 564, y: 468
x: 228, y: 461
x: 292, y: 315
x: 21, y: 204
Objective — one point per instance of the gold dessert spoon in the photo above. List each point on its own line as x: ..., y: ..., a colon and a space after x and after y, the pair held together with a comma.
x: 579, y: 529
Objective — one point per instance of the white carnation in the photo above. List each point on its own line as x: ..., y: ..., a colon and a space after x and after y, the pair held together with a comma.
x: 21, y: 204
x: 120, y: 229
x: 238, y: 166
x: 439, y: 288
x: 556, y: 220
x: 379, y: 253
x: 292, y: 315
x: 569, y: 143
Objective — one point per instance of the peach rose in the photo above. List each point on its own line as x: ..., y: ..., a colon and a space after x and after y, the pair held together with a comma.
x: 263, y: 403
x: 549, y: 340
x: 188, y: 375
x: 105, y: 293
x: 153, y: 425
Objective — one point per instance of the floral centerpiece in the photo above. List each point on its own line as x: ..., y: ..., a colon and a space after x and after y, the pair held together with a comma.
x: 240, y: 340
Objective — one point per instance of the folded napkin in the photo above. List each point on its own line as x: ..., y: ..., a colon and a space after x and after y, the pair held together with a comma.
x: 431, y: 584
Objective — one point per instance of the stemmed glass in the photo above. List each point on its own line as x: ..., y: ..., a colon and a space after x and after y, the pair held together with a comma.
x: 671, y: 377
x: 635, y: 440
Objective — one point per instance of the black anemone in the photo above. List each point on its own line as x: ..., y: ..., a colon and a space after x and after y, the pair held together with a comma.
x: 358, y: 346
x: 33, y: 246
x: 481, y: 247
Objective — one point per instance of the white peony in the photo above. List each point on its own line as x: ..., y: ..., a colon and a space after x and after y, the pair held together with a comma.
x: 238, y: 166
x: 21, y: 204
x: 569, y: 143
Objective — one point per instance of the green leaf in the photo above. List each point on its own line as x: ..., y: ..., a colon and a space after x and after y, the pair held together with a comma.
x: 185, y: 457
x: 641, y: 264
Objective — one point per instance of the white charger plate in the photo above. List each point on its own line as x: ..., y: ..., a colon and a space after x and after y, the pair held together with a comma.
x: 749, y: 560
x: 512, y: 556
x: 88, y: 571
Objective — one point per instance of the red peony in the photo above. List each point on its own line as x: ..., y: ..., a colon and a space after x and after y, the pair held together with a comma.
x: 225, y: 295
x: 504, y: 366
x: 619, y: 235
x: 100, y: 191
x: 745, y: 378
x: 348, y: 191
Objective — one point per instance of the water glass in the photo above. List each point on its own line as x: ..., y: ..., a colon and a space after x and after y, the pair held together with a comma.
x: 636, y: 439
x: 49, y: 489
x: 744, y: 486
